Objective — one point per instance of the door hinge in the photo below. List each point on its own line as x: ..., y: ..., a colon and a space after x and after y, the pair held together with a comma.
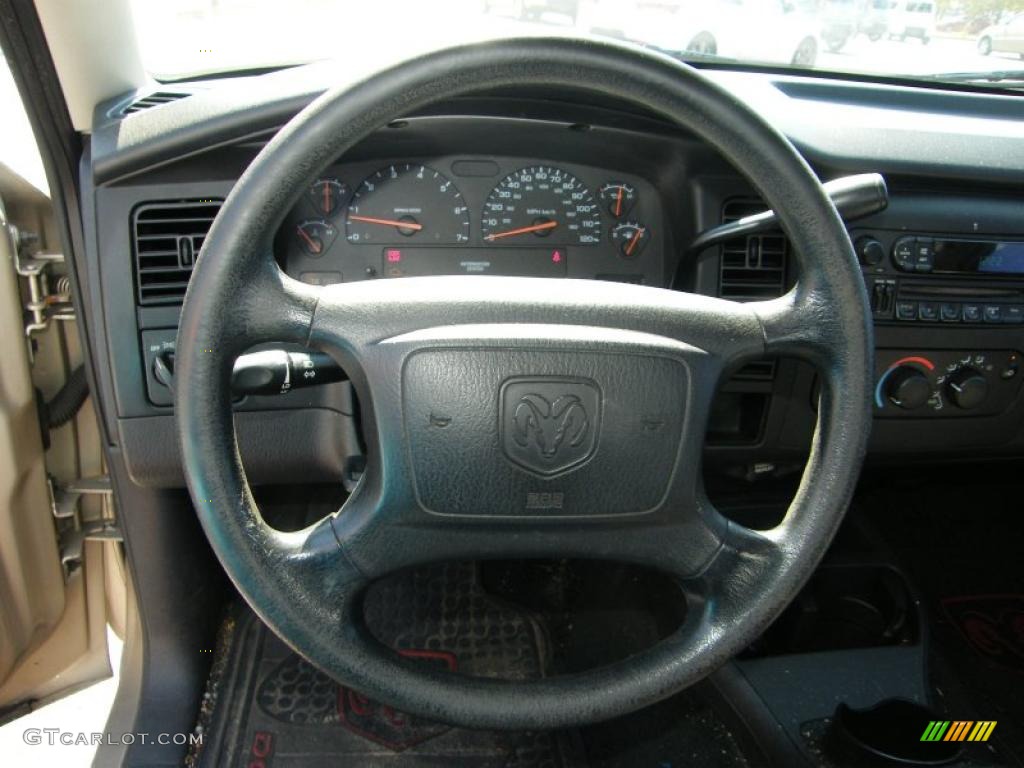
x: 72, y: 532
x: 48, y: 300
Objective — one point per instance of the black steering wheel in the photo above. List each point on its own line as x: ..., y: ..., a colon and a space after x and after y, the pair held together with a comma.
x: 518, y: 418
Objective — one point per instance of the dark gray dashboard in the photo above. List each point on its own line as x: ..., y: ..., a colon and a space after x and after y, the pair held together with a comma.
x: 951, y: 158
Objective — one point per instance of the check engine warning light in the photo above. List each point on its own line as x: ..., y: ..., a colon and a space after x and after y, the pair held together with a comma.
x: 393, y: 255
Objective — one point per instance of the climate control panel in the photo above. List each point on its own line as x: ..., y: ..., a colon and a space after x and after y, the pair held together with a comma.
x: 945, y: 383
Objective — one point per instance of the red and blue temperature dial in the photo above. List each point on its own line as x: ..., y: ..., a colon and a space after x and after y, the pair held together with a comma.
x: 907, y: 383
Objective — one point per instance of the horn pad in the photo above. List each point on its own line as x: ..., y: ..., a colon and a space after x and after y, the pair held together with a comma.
x: 522, y: 432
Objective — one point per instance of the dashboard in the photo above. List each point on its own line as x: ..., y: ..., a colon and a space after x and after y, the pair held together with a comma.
x: 479, y: 215
x: 542, y: 184
x: 545, y: 182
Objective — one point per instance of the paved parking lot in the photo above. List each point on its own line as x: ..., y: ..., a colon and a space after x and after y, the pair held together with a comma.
x: 911, y: 57
x: 229, y: 31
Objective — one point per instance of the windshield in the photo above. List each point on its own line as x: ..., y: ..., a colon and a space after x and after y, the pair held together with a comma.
x: 955, y: 39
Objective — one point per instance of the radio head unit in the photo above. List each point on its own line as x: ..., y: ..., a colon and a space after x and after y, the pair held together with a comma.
x: 932, y: 278
x: 958, y: 256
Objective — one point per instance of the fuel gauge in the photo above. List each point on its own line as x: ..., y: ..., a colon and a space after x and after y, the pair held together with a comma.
x: 630, y: 237
x: 316, y: 236
x: 618, y: 198
x: 328, y: 196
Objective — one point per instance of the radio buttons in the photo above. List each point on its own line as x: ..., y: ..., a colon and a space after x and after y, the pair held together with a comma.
x: 949, y: 312
x: 924, y: 254
x: 903, y: 254
x: 972, y: 313
x: 993, y: 313
x: 906, y: 310
x: 956, y: 312
x: 883, y: 293
x: 914, y: 254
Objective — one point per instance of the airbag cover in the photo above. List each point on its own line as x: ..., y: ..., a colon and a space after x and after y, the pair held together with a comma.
x: 512, y: 432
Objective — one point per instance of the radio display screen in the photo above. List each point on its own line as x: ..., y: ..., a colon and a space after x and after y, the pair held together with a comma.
x: 979, y: 257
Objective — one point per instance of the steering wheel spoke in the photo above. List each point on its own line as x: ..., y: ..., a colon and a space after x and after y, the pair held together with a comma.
x: 270, y: 306
x: 803, y: 324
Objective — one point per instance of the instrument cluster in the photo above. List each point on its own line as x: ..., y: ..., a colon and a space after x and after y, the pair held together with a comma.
x: 474, y: 215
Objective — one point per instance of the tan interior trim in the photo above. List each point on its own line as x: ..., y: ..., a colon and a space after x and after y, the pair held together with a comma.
x: 94, y: 50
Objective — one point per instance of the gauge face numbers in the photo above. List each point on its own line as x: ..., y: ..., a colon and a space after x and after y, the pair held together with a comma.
x: 618, y: 198
x: 541, y: 204
x: 327, y: 196
x: 630, y: 238
x: 315, y: 236
x: 407, y: 202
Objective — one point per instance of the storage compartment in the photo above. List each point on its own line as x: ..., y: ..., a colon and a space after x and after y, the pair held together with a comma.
x: 737, y: 418
x: 844, y: 607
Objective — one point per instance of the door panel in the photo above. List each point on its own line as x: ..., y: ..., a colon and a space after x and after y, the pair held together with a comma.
x: 31, y: 582
x: 52, y: 613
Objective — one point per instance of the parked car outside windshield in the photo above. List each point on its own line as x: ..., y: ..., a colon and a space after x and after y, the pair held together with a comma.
x: 896, y: 38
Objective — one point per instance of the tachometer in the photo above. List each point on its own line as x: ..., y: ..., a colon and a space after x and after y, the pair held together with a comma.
x: 404, y: 203
x: 541, y: 202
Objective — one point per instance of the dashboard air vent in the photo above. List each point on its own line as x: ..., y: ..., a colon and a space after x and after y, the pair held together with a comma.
x: 754, y: 267
x: 166, y: 238
x: 152, y: 100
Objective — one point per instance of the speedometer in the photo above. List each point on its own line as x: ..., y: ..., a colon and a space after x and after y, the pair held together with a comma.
x: 541, y: 203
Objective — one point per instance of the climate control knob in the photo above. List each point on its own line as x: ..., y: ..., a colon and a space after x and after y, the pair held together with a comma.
x: 908, y: 388
x: 967, y: 388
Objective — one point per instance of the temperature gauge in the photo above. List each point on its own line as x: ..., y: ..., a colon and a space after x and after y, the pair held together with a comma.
x: 631, y: 237
x: 316, y: 236
x: 328, y: 195
x: 618, y: 198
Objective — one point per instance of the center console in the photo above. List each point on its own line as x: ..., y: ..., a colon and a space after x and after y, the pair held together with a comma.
x: 945, y: 281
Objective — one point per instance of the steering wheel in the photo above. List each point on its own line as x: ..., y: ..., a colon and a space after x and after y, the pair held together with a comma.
x: 519, y: 417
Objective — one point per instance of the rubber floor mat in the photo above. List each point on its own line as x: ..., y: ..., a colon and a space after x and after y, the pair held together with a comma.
x: 960, y: 547
x: 269, y: 707
x: 992, y: 625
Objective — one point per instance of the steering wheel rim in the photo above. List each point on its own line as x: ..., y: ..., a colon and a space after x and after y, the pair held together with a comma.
x: 395, y: 338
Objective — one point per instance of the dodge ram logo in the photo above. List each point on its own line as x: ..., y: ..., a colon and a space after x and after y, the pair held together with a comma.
x: 549, y: 425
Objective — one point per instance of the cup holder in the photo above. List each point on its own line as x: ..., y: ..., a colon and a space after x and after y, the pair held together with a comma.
x: 888, y: 733
x: 844, y: 607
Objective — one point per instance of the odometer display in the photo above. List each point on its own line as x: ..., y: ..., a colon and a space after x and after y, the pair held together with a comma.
x: 541, y: 204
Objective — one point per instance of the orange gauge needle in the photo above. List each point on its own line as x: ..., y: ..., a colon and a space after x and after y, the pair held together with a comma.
x: 388, y: 222
x: 632, y: 243
x: 618, y: 203
x: 314, y: 245
x: 327, y: 198
x: 523, y: 230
